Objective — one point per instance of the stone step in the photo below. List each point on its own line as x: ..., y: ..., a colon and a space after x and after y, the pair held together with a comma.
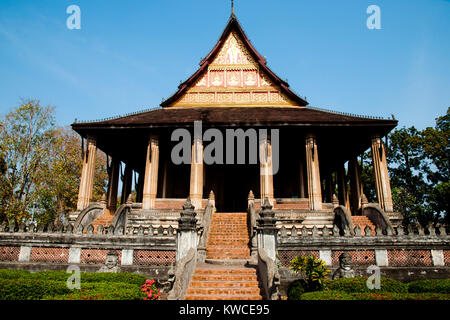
x: 224, y: 277
x: 224, y: 291
x: 227, y: 251
x: 229, y: 257
x: 225, y: 271
x: 228, y: 262
x: 237, y: 236
x: 362, y: 222
x: 223, y: 297
x: 230, y: 242
x: 217, y: 227
x: 223, y: 284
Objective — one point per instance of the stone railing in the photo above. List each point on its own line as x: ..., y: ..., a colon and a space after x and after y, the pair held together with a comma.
x: 184, y: 269
x: 206, y: 223
x: 88, y: 230
x: 252, y: 216
x: 144, y: 250
x: 269, y: 275
x: 291, y: 234
x: 402, y: 254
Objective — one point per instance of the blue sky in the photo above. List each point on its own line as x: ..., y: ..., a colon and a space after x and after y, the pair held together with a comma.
x: 129, y: 55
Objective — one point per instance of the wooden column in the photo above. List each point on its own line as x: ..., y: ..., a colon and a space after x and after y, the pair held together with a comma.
x: 113, y: 185
x: 127, y: 180
x: 329, y: 188
x: 164, y: 186
x: 302, y: 181
x: 312, y: 169
x: 87, y: 174
x: 196, y: 182
x: 151, y: 173
x: 355, y: 183
x: 266, y: 169
x: 382, y: 183
x: 342, y: 186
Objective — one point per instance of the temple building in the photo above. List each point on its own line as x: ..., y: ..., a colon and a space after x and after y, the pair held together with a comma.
x: 233, y: 89
x: 215, y: 192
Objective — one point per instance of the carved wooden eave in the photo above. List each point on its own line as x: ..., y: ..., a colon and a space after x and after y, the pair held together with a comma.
x: 234, y: 74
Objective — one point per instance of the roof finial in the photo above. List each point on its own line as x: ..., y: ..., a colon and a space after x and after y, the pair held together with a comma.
x: 232, y: 6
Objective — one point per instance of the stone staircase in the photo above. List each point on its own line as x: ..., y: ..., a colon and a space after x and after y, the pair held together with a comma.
x: 104, y: 219
x: 226, y: 275
x: 362, y: 222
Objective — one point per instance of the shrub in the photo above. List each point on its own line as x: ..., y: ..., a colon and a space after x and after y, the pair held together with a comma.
x: 327, y: 295
x: 129, y: 278
x: 62, y: 275
x: 30, y: 289
x: 52, y: 285
x: 359, y: 285
x: 149, y: 288
x: 314, y: 270
x: 401, y: 296
x: 296, y: 289
x: 429, y: 285
x: 342, y: 295
x: 102, y: 291
x: 14, y: 274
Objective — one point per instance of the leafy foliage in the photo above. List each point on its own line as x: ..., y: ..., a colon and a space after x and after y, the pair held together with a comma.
x: 52, y: 285
x: 102, y: 291
x: 314, y: 270
x: 419, y: 169
x: 356, y: 289
x: 30, y: 289
x: 342, y: 295
x: 41, y: 166
x: 24, y: 140
x: 296, y: 289
x: 359, y: 284
x: 429, y: 285
x: 149, y: 288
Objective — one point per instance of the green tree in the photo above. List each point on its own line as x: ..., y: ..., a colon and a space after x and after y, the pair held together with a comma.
x: 408, y: 184
x: 24, y: 140
x: 367, y: 177
x: 419, y: 170
x: 436, y: 166
x: 58, y: 192
x: 42, y: 166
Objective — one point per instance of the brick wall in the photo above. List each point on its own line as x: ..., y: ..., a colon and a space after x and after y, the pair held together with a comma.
x: 49, y: 255
x: 9, y: 253
x: 50, y: 249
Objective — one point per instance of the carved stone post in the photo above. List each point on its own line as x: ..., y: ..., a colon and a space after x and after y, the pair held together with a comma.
x: 151, y: 173
x: 87, y: 174
x: 312, y: 169
x: 382, y: 183
x: 196, y: 184
x: 187, y: 230
x: 266, y: 169
x: 267, y: 231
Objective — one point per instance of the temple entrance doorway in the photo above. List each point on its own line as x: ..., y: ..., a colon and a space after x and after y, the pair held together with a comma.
x: 231, y: 185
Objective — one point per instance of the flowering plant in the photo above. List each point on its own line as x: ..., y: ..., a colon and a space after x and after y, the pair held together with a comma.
x: 314, y: 269
x: 150, y: 290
